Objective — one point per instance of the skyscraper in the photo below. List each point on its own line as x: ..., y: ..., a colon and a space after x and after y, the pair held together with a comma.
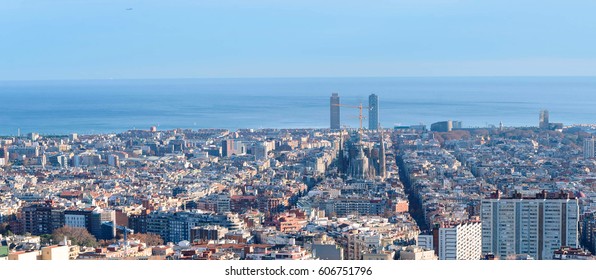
x: 544, y: 122
x: 3, y: 156
x: 460, y: 241
x: 334, y: 109
x: 536, y: 226
x: 227, y: 148
x: 589, y: 148
x: 373, y: 112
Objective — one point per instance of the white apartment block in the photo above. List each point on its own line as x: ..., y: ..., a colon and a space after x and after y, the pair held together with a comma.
x: 536, y: 226
x: 460, y: 242
x: 425, y: 241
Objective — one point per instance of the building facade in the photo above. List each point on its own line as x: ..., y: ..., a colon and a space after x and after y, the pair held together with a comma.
x: 445, y: 126
x: 373, y: 112
x: 588, y: 231
x: 42, y: 218
x: 335, y: 112
x: 536, y: 226
x: 589, y: 148
x: 544, y: 122
x: 460, y: 242
x: 227, y: 148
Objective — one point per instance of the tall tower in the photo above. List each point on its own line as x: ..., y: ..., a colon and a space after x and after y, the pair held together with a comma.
x: 227, y: 148
x: 589, y: 148
x: 4, y: 156
x: 544, y: 122
x: 334, y: 109
x: 373, y: 112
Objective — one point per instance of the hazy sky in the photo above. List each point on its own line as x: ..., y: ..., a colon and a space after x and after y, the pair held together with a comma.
x: 93, y: 39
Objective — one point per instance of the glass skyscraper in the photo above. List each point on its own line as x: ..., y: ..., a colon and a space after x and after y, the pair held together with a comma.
x: 373, y: 112
x: 334, y: 109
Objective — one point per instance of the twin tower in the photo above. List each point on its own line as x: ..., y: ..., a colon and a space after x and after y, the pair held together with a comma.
x: 373, y: 111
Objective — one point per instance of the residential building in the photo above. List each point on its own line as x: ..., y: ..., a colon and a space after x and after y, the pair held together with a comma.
x: 460, y: 241
x: 566, y: 253
x: 55, y: 253
x: 414, y: 253
x: 208, y: 233
x: 536, y: 226
x: 42, y: 218
x: 425, y: 241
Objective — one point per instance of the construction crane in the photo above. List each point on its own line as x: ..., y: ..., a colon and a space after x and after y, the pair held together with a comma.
x: 359, y: 107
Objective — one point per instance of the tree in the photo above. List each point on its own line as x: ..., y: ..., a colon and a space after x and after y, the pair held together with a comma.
x: 4, y: 228
x: 78, y: 236
x: 45, y: 239
x: 148, y: 238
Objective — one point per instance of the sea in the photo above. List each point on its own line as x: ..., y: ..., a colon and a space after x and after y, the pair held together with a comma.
x: 112, y: 106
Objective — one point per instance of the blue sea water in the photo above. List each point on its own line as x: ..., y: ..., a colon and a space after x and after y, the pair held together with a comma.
x: 103, y: 106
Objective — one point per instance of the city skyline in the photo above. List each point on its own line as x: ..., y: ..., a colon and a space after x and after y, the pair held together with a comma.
x: 89, y: 107
x: 247, y: 133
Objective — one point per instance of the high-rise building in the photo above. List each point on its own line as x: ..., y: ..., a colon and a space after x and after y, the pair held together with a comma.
x: 536, y: 226
x: 456, y: 125
x: 589, y: 148
x: 3, y: 156
x: 260, y: 150
x: 445, y: 126
x: 97, y: 219
x: 460, y: 241
x: 334, y: 109
x: 373, y: 112
x: 78, y: 218
x: 223, y: 203
x: 544, y: 121
x: 227, y: 148
x: 588, y: 231
x: 42, y: 218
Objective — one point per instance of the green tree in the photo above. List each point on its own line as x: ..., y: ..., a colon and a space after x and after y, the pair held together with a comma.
x: 148, y: 238
x: 4, y: 228
x: 45, y: 239
x: 78, y: 236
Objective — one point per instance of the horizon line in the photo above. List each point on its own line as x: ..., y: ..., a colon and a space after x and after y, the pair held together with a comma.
x: 295, y: 77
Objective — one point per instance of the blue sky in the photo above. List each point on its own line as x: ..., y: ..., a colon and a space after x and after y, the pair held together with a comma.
x: 93, y: 39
